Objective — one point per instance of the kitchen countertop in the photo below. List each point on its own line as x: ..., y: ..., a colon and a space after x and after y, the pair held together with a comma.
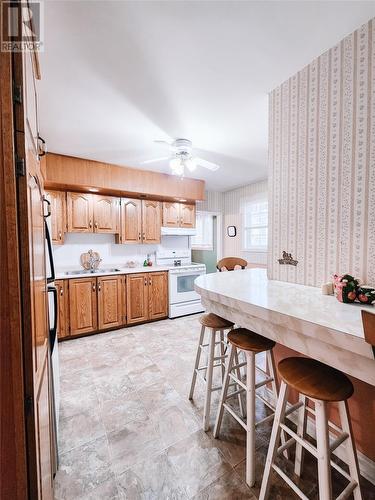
x: 297, y: 316
x: 67, y: 274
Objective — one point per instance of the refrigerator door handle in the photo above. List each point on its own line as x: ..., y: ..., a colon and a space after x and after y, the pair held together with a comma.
x: 53, y: 329
x: 50, y: 254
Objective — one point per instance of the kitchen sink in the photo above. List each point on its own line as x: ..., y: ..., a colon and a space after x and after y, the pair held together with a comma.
x: 94, y: 271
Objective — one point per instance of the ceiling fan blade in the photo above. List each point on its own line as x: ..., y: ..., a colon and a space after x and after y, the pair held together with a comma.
x: 154, y: 160
x: 207, y: 164
x: 163, y: 142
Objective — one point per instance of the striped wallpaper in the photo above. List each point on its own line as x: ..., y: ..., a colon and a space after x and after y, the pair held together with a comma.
x: 229, y: 205
x: 322, y: 165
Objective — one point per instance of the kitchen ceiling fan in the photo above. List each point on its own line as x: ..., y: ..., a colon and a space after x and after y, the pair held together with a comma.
x: 181, y: 156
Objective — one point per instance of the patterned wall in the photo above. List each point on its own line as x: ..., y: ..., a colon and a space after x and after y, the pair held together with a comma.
x: 322, y: 165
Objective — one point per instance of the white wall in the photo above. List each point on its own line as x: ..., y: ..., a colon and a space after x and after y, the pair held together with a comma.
x: 67, y: 256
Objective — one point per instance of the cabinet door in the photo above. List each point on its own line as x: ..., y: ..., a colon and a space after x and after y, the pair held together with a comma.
x: 82, y: 305
x: 58, y: 216
x: 158, y: 294
x: 171, y: 214
x: 62, y: 287
x: 80, y: 213
x: 110, y: 301
x: 106, y: 214
x: 137, y: 298
x: 151, y: 221
x: 187, y: 215
x: 131, y: 221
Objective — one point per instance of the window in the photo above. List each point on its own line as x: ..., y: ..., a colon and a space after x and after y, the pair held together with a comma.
x: 255, y: 222
x: 204, y: 239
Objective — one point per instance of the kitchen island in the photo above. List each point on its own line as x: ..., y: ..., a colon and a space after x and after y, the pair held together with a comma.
x: 296, y: 316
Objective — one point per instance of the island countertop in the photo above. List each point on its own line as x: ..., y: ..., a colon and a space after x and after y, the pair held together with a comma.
x: 296, y: 316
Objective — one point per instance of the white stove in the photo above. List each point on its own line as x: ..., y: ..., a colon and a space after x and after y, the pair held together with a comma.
x: 183, y: 299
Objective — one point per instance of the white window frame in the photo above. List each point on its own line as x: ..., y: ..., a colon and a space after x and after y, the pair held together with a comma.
x: 256, y: 198
x: 204, y: 247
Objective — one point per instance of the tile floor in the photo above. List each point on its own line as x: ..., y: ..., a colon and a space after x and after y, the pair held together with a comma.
x: 128, y: 431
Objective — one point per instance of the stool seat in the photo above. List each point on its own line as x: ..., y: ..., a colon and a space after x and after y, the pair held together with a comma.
x: 249, y: 341
x: 315, y: 379
x: 211, y: 320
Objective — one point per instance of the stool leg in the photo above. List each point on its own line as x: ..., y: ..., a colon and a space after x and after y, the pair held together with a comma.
x: 210, y: 364
x: 250, y: 425
x: 222, y: 352
x: 301, y: 431
x: 224, y: 391
x: 351, y: 451
x: 274, y: 440
x: 270, y: 361
x: 324, y: 452
x: 237, y: 387
x: 197, y: 360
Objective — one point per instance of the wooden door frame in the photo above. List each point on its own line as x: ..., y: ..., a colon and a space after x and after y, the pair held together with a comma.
x: 13, y: 458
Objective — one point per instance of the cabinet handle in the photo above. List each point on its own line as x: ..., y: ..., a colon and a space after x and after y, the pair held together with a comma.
x: 93, y: 288
x: 60, y: 235
x: 139, y: 236
x: 61, y: 292
x: 150, y: 281
x: 96, y: 225
x: 90, y: 223
x: 99, y: 287
x: 145, y: 281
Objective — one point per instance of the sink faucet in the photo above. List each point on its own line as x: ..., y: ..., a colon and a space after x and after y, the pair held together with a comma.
x: 93, y: 260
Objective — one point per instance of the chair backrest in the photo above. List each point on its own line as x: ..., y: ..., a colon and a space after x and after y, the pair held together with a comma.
x: 229, y: 263
x: 368, y: 320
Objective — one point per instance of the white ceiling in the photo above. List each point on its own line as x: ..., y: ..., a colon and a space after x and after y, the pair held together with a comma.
x: 117, y: 75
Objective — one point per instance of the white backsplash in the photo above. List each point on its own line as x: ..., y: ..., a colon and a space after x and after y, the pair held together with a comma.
x: 67, y: 256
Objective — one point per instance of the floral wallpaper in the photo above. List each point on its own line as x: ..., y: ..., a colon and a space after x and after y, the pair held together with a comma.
x: 322, y: 165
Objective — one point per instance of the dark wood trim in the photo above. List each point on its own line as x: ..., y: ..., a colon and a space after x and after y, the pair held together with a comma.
x: 13, y: 462
x: 79, y: 174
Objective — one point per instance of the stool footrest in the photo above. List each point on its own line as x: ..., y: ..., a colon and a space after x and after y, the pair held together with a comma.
x: 287, y: 479
x: 285, y: 446
x: 238, y: 381
x: 234, y: 415
x: 348, y: 490
x: 309, y: 447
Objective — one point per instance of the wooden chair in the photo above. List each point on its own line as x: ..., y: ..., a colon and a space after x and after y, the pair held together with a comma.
x: 321, y: 384
x: 368, y: 320
x: 229, y: 263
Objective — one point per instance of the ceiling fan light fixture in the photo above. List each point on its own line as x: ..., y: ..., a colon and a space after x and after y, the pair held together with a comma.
x: 177, y: 166
x: 190, y: 164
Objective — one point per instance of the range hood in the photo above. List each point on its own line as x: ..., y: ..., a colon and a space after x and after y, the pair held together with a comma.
x: 178, y: 231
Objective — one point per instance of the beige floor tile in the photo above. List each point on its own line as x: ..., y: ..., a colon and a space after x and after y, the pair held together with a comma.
x: 152, y: 479
x: 197, y: 462
x: 227, y: 487
x: 79, y: 429
x: 116, y: 413
x: 82, y: 470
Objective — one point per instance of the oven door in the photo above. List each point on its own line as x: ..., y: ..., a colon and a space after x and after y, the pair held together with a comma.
x: 181, y: 286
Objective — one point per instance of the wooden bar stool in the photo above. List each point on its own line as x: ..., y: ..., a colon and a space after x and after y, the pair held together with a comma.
x: 322, y: 385
x: 251, y: 344
x: 216, y: 325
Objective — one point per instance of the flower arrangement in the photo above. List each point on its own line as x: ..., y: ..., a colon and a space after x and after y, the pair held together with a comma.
x: 348, y: 290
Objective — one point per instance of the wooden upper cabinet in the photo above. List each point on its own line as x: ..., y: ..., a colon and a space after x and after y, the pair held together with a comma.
x: 178, y: 215
x: 82, y: 305
x: 106, y: 214
x: 80, y: 212
x: 158, y: 294
x: 111, y: 301
x: 131, y: 221
x: 187, y: 215
x: 171, y: 214
x: 137, y: 298
x: 151, y: 221
x: 58, y: 215
x: 62, y: 287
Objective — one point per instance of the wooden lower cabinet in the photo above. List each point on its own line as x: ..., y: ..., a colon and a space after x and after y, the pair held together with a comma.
x: 82, y: 305
x: 137, y: 298
x: 62, y: 287
x: 111, y: 295
x: 88, y: 305
x: 158, y: 295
